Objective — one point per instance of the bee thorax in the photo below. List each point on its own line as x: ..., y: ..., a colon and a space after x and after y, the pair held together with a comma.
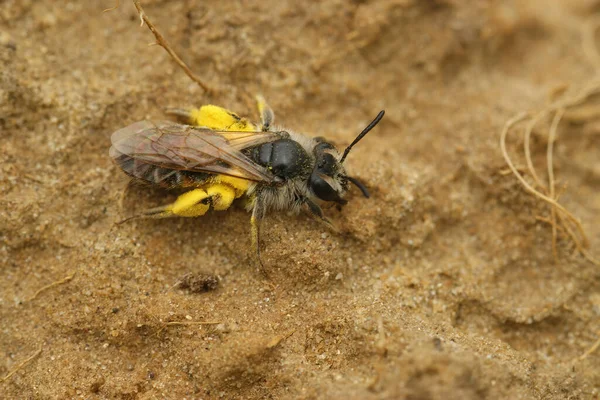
x: 285, y: 158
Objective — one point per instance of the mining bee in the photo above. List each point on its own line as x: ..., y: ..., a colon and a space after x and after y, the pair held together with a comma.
x: 220, y: 157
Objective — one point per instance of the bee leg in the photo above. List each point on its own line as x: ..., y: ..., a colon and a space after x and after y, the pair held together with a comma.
x: 184, y: 114
x: 267, y: 116
x: 157, y: 212
x: 194, y: 203
x: 317, y: 212
x: 213, y: 117
x: 221, y: 196
x: 258, y: 213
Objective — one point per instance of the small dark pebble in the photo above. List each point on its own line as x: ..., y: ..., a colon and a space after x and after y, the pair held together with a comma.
x: 96, y: 386
x: 198, y: 283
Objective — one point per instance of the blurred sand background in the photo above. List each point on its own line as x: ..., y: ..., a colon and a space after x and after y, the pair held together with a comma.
x: 441, y: 286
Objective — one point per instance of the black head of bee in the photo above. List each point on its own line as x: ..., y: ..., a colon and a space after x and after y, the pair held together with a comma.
x: 323, y: 179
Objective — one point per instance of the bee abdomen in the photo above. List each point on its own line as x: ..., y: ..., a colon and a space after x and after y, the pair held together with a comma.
x: 163, y: 177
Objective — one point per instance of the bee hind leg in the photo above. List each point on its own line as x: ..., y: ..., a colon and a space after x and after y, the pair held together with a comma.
x: 213, y: 117
x: 184, y: 114
x: 194, y: 203
x: 258, y: 213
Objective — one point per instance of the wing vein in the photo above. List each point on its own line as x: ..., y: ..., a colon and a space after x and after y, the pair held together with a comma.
x: 173, y: 146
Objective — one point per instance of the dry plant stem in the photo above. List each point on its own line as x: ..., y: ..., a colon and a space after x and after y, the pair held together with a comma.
x: 112, y: 8
x: 591, y: 50
x: 161, y: 41
x: 583, y: 114
x: 509, y: 124
x: 563, y: 215
x: 578, y: 244
x: 527, y: 150
x: 590, y: 90
x: 21, y: 365
x: 592, y: 349
x: 562, y: 227
x: 278, y: 339
x: 549, y: 222
x: 56, y: 283
x: 549, y: 157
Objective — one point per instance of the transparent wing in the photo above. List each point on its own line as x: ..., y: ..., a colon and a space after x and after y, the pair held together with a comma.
x: 174, y: 146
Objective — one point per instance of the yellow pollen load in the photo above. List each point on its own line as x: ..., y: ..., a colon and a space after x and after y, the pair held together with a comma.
x: 239, y: 185
x: 221, y: 195
x: 222, y: 190
x: 188, y: 204
x: 220, y: 119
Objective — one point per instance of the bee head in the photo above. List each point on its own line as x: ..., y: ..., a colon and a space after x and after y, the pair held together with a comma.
x: 328, y: 180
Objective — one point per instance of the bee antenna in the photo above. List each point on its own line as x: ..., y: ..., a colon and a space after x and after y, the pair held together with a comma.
x: 362, y: 134
x: 359, y: 185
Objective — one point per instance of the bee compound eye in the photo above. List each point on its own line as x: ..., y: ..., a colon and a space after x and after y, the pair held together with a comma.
x: 323, y: 190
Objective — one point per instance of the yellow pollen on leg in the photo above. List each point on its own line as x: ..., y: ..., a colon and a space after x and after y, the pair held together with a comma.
x: 197, y: 210
x: 239, y: 185
x: 219, y: 118
x: 222, y: 196
x: 187, y: 204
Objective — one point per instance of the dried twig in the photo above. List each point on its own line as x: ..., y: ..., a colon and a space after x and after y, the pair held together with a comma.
x: 162, y: 42
x: 549, y: 222
x: 56, y: 283
x: 550, y: 151
x: 509, y: 124
x: 274, y: 342
x: 527, y: 149
x: 112, y: 8
x: 564, y: 215
x: 589, y: 351
x: 21, y: 365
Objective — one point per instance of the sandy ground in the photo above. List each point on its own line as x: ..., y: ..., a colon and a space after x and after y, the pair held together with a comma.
x: 441, y: 286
